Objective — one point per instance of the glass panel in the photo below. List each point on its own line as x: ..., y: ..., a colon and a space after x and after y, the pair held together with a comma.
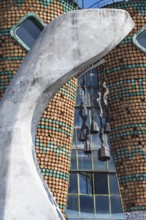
x: 85, y: 183
x: 96, y: 143
x: 88, y: 79
x: 86, y: 206
x: 116, y: 206
x: 102, y: 204
x: 74, y: 139
x: 93, y: 77
x: 73, y: 186
x: 108, y: 141
x: 98, y: 165
x: 82, y: 95
x: 111, y: 165
x: 95, y: 95
x: 142, y: 39
x: 100, y: 183
x: 78, y: 98
x: 78, y: 119
x: 73, y: 160
x: 114, y: 189
x: 85, y: 79
x: 88, y: 97
x: 84, y: 161
x: 95, y: 114
x: 29, y: 31
x: 72, y: 206
x: 85, y: 100
x: 86, y: 112
x: 80, y: 80
x: 79, y: 144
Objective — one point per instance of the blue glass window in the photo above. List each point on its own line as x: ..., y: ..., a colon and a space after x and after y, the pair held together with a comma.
x: 93, y: 183
x: 72, y: 206
x: 100, y: 183
x: 84, y: 161
x: 73, y: 160
x: 73, y: 186
x: 116, y: 206
x: 86, y: 205
x: 85, y: 183
x: 114, y: 189
x: 142, y: 39
x: 102, y: 204
x: 139, y: 39
x: 27, y: 30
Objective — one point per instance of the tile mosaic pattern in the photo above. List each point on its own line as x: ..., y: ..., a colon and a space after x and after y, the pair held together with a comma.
x: 125, y: 74
x: 53, y: 141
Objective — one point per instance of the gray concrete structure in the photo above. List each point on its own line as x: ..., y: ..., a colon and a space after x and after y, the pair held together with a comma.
x: 66, y: 48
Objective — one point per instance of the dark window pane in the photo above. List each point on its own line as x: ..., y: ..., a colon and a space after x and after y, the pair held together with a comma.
x: 85, y: 183
x: 114, y: 189
x: 99, y: 165
x: 73, y: 187
x: 73, y: 160
x: 78, y: 119
x: 86, y: 205
x: 102, y: 204
x: 100, y: 183
x: 116, y: 206
x: 29, y: 31
x: 84, y: 161
x: 142, y: 39
x: 72, y: 206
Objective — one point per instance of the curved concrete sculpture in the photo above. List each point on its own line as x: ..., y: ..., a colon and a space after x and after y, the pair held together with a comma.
x: 66, y: 48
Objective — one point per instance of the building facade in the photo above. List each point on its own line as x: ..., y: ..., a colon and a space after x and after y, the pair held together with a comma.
x: 124, y: 71
x: 125, y: 74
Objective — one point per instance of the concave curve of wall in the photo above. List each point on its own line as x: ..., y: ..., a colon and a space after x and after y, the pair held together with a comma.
x: 54, y: 140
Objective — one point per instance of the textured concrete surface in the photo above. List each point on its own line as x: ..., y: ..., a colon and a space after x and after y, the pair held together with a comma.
x: 66, y: 48
x: 141, y: 215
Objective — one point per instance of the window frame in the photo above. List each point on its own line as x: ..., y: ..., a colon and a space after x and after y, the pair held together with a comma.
x: 135, y: 39
x: 21, y: 21
x: 97, y: 174
x: 109, y: 196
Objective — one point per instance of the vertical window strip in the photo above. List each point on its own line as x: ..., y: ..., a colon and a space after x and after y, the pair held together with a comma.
x: 91, y: 172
